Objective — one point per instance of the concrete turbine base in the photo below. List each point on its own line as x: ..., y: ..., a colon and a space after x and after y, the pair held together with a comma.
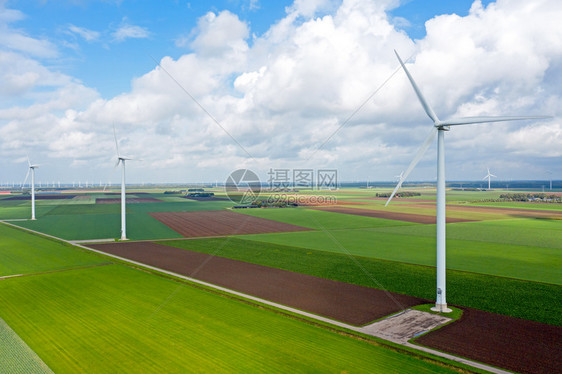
x: 441, y: 308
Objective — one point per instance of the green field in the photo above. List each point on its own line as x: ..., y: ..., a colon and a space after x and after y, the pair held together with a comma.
x: 23, y: 253
x: 103, y: 221
x: 100, y: 226
x: 114, y: 318
x: 491, y: 293
x: 415, y: 244
x: 79, y: 313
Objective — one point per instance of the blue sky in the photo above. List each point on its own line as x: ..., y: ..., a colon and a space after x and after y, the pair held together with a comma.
x: 280, y: 77
x: 109, y: 65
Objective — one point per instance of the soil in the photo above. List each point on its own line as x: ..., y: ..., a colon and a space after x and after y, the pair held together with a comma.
x: 407, y: 217
x: 206, y: 198
x: 220, y: 222
x: 511, y: 343
x: 128, y: 193
x: 132, y: 200
x: 352, y: 304
x: 515, y: 212
x: 42, y: 197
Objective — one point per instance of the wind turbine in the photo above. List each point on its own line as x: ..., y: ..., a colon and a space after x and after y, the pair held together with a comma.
x: 32, y: 171
x: 439, y: 128
x: 489, y: 176
x: 122, y: 159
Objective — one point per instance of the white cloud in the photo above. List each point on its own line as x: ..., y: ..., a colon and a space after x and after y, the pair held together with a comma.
x: 285, y: 94
x: 88, y: 35
x: 221, y: 35
x: 126, y: 31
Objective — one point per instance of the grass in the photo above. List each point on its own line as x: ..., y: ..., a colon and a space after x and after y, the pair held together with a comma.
x: 100, y: 226
x: 23, y: 253
x: 185, y: 206
x: 84, y: 209
x: 117, y: 319
x: 495, y: 294
x: 454, y: 315
x: 406, y: 244
x: 16, y: 357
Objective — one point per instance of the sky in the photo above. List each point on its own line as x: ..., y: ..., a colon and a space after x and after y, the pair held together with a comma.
x: 198, y: 89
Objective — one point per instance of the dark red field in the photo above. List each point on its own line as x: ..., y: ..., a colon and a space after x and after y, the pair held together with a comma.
x: 407, y: 217
x: 220, y: 222
x: 356, y: 305
x: 517, y: 212
x: 507, y: 342
x: 42, y: 197
x: 132, y: 200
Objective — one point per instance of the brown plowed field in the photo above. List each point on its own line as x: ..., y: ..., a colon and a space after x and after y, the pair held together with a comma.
x: 407, y: 217
x: 129, y: 200
x: 220, y: 222
x: 401, y: 199
x: 507, y: 342
x: 517, y: 212
x: 344, y: 302
x: 42, y: 197
x: 531, y: 213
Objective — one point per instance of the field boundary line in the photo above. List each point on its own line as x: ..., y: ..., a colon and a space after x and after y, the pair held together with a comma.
x: 247, y: 297
x: 55, y: 271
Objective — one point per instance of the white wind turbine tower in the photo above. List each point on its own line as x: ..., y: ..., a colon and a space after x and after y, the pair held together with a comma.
x: 489, y: 176
x: 122, y: 159
x: 439, y: 128
x: 32, y: 171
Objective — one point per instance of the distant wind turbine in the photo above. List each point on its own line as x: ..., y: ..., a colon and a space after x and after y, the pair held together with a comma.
x: 489, y: 176
x: 439, y: 128
x: 550, y: 177
x: 31, y: 170
x: 122, y: 159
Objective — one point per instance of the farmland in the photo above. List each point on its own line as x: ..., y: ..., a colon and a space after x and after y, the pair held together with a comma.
x: 498, y: 255
x: 75, y: 319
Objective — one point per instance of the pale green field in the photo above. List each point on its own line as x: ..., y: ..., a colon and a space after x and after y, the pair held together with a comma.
x: 116, y: 319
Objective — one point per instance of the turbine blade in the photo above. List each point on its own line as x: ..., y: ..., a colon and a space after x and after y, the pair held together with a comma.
x: 484, y: 119
x: 492, y: 175
x: 421, y: 98
x: 486, y: 177
x: 117, y: 163
x: 116, y: 143
x: 26, y: 176
x: 415, y: 161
